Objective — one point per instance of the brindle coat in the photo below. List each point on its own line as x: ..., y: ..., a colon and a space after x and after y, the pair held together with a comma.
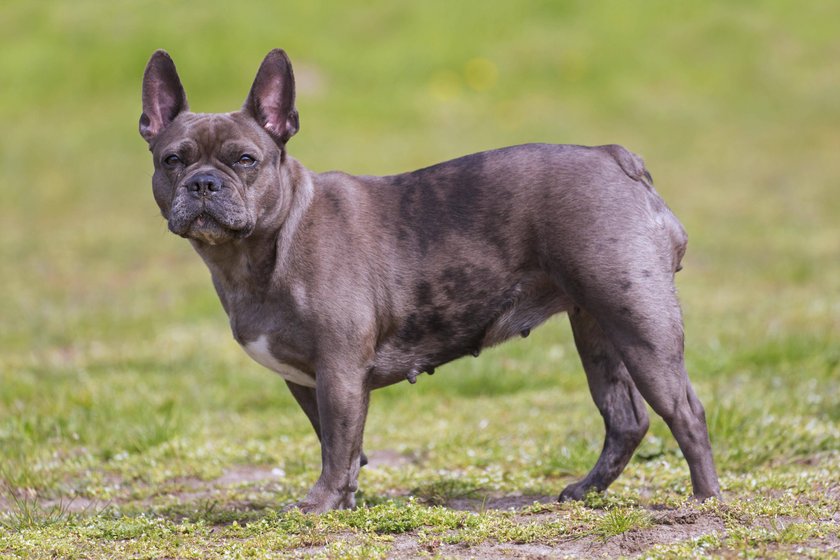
x: 344, y: 284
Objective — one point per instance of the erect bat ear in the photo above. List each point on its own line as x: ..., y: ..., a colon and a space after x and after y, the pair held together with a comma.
x: 163, y: 95
x: 271, y: 101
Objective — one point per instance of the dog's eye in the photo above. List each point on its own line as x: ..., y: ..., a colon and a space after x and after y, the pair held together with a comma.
x: 246, y: 160
x: 171, y: 160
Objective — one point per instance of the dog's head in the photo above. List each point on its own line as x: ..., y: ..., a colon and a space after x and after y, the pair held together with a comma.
x: 217, y: 175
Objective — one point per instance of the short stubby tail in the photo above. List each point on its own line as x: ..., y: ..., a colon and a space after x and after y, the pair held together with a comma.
x: 630, y: 163
x: 680, y: 238
x: 634, y: 167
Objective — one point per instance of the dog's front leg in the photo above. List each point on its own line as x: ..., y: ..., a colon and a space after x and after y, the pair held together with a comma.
x: 308, y: 401
x: 342, y: 402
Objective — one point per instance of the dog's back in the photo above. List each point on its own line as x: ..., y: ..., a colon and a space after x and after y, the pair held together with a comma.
x: 476, y: 250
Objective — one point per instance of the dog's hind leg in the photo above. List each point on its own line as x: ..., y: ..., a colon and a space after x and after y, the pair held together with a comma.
x: 615, y: 395
x: 647, y: 332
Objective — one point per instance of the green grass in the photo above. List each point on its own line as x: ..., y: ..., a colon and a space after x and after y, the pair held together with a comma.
x: 131, y: 424
x: 619, y: 521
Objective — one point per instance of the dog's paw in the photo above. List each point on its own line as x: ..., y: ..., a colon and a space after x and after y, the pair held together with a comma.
x: 339, y: 501
x: 574, y: 492
x: 305, y: 506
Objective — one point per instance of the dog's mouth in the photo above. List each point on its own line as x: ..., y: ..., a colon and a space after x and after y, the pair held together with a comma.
x: 208, y: 229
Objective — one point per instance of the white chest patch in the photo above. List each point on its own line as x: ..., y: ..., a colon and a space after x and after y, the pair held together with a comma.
x: 261, y: 353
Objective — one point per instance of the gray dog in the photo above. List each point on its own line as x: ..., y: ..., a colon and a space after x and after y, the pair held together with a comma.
x: 344, y: 284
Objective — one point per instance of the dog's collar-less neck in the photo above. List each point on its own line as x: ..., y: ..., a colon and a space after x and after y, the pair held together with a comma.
x: 299, y: 191
x: 268, y: 249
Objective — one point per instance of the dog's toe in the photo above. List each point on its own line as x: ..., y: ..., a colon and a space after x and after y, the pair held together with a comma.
x: 573, y: 492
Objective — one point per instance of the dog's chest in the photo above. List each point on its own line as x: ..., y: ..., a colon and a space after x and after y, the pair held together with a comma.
x: 260, y: 351
x: 270, y: 334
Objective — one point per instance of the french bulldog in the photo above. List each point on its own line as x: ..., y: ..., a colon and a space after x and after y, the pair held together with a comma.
x: 343, y: 284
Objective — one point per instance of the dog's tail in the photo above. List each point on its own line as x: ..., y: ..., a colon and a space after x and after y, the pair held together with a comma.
x: 634, y: 167
x: 630, y: 163
x: 680, y: 240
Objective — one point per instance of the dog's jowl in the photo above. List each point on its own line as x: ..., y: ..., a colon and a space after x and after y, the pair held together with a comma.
x: 343, y: 284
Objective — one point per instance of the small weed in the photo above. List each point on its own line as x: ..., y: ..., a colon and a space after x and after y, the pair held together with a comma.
x: 23, y: 468
x: 27, y: 512
x: 621, y: 520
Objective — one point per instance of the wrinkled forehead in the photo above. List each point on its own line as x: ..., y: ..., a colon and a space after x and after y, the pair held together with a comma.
x: 210, y: 131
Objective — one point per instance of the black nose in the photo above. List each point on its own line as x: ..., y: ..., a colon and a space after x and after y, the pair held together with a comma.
x: 205, y: 184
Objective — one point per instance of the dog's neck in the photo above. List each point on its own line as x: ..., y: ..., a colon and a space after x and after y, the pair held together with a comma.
x: 256, y: 261
x: 298, y: 191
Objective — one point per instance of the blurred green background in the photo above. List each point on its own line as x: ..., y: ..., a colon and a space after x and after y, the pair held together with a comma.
x: 735, y: 106
x: 111, y: 337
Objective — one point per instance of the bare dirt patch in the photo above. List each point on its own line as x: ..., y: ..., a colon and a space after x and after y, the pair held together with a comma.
x: 668, y: 528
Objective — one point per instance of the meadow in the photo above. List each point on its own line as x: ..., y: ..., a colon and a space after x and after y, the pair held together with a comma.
x: 132, y: 425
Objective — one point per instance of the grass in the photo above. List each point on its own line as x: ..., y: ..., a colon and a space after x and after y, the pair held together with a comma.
x: 132, y: 425
x: 619, y: 521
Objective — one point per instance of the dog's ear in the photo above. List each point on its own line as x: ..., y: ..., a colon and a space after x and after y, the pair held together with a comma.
x: 271, y: 101
x: 163, y: 95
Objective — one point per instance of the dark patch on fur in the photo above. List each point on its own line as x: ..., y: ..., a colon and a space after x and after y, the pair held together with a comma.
x: 411, y: 332
x: 451, y: 320
x: 423, y: 294
x: 446, y: 199
x: 437, y: 325
x: 335, y: 202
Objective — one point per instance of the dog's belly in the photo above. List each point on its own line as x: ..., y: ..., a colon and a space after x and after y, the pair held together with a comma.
x: 260, y: 352
x: 432, y: 336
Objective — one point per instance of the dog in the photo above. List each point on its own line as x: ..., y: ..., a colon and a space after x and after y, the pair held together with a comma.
x: 343, y: 284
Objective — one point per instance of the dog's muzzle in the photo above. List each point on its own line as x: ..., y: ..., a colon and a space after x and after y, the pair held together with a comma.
x: 208, y: 209
x: 205, y: 184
